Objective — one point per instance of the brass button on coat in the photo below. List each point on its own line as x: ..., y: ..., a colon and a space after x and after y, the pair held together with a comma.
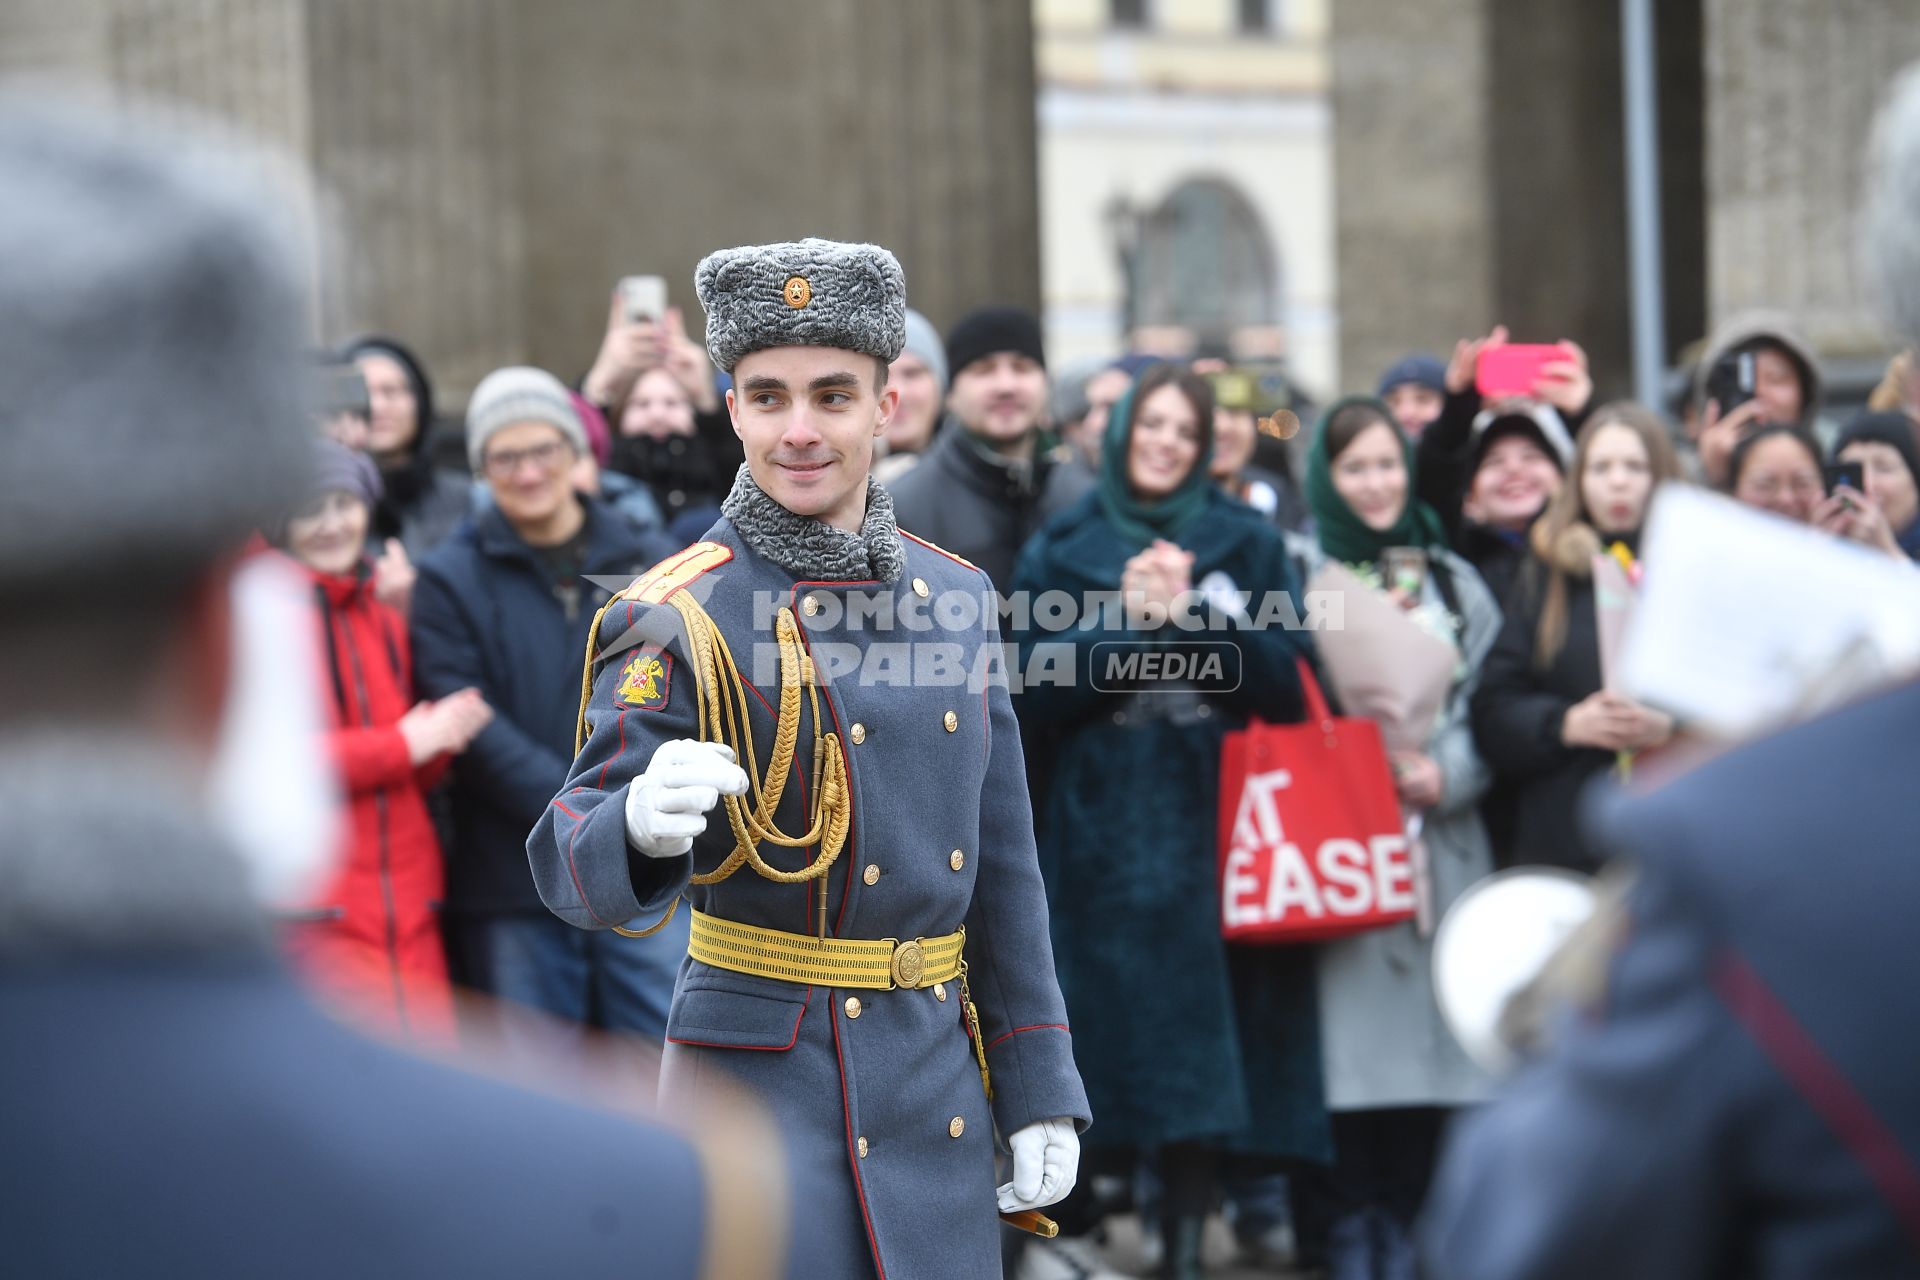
x: 920, y: 587
x: 940, y: 991
x: 956, y: 1128
x: 871, y: 875
x: 853, y: 1006
x: 861, y: 1147
x: 956, y: 859
x: 950, y: 720
x: 858, y: 733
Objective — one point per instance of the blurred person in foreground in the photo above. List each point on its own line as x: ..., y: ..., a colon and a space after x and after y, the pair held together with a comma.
x: 371, y: 937
x: 1191, y: 1049
x: 984, y: 485
x: 1738, y: 1099
x: 1541, y: 717
x: 1393, y: 1070
x: 176, y: 1106
x: 505, y: 607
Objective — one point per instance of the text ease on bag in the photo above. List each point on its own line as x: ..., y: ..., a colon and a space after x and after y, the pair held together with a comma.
x: 1312, y: 841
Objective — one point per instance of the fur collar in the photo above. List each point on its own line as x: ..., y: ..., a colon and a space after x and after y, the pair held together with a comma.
x: 814, y: 551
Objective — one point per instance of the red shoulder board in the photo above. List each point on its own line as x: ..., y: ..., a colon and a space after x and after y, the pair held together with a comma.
x: 675, y: 572
x: 942, y: 551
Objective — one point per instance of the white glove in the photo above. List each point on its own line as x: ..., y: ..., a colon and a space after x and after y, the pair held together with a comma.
x: 667, y: 805
x: 1046, y: 1161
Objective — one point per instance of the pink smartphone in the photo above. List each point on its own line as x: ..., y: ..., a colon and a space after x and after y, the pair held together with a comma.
x: 1511, y: 370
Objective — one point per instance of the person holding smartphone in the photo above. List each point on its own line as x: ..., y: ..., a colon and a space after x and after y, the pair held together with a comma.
x: 1757, y: 371
x: 1778, y: 469
x: 1882, y: 445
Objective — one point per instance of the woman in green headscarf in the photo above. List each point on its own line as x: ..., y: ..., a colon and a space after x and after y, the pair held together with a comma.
x: 1188, y: 1048
x: 1392, y: 1068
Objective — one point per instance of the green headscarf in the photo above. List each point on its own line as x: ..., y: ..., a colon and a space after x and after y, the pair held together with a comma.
x: 1344, y: 535
x: 1143, y: 519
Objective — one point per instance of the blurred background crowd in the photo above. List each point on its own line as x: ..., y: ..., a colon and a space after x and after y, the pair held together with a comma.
x: 1241, y: 271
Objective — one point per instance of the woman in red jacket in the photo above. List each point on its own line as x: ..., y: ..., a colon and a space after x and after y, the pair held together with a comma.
x: 371, y: 940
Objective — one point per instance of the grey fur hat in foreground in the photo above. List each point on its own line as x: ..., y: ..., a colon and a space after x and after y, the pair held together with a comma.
x: 1890, y: 211
x: 152, y: 363
x: 805, y: 293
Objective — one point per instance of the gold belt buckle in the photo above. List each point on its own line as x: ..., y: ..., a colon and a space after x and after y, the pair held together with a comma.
x: 909, y: 962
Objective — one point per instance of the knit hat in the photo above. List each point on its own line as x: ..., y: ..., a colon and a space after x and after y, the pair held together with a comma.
x: 338, y: 468
x: 153, y: 363
x: 803, y: 293
x: 1536, y: 422
x: 991, y: 330
x: 1417, y: 370
x: 1893, y: 429
x: 514, y: 395
x: 923, y: 340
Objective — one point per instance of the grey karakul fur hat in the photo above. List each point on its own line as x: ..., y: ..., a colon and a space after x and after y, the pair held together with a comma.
x: 154, y: 348
x: 804, y: 293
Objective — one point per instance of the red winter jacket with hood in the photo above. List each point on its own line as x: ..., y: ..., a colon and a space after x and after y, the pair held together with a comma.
x: 372, y: 938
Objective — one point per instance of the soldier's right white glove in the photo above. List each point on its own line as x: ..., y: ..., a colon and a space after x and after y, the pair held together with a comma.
x: 667, y: 805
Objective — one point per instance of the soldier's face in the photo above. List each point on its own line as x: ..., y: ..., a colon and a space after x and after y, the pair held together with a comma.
x: 807, y: 418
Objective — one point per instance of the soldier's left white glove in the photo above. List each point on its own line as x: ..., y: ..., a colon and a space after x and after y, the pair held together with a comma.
x: 1046, y: 1161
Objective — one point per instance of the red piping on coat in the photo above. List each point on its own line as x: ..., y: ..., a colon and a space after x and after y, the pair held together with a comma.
x: 1819, y: 1080
x: 1041, y: 1026
x: 853, y: 1155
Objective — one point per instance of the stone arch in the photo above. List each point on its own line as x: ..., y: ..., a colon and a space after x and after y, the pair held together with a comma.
x: 1206, y: 263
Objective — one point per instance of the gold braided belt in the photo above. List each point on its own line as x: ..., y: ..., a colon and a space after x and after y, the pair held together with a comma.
x: 874, y: 965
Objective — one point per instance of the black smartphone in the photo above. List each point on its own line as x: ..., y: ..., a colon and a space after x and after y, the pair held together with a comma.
x: 1732, y: 380
x: 1851, y: 474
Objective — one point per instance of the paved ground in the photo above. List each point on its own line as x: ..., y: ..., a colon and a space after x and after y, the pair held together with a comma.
x: 1123, y: 1253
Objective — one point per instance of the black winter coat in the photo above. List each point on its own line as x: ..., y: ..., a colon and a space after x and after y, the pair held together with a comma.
x: 1532, y: 812
x: 487, y: 613
x: 979, y: 507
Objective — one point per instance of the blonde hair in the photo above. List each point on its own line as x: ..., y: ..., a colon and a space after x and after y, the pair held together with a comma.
x: 1564, y: 537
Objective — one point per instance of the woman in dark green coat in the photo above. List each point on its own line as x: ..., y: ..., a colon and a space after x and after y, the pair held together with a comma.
x: 1187, y: 1047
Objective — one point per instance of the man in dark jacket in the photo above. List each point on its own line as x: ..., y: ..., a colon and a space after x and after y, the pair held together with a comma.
x: 984, y: 486
x: 505, y: 607
x: 175, y: 1105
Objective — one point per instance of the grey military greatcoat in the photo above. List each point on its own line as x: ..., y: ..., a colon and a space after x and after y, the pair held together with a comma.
x: 877, y: 1093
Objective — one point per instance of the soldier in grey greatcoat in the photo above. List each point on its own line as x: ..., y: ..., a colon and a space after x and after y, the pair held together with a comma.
x: 903, y: 802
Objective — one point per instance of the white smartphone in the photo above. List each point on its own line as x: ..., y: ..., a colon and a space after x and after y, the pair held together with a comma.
x: 644, y: 297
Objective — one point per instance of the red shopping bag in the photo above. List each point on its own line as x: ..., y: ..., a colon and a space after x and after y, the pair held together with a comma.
x: 1312, y: 844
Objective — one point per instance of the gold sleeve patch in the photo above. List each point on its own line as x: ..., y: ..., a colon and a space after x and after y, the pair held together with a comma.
x: 675, y: 572
x: 644, y: 681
